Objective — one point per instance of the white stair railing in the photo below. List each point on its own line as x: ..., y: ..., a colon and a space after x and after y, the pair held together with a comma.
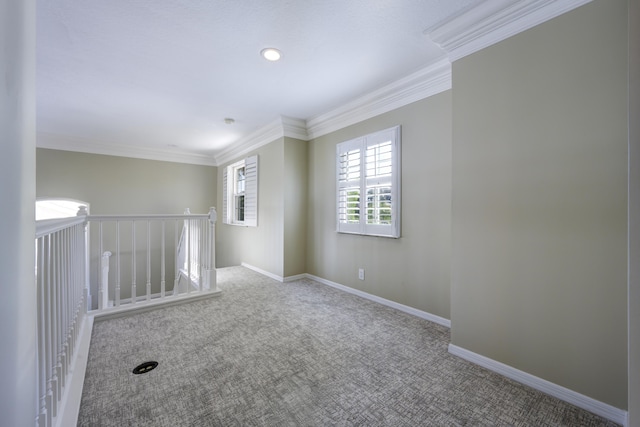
x: 64, y: 278
x: 61, y: 292
x: 141, y: 244
x: 196, y: 249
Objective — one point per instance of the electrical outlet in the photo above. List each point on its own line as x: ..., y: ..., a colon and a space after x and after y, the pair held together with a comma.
x: 361, y: 273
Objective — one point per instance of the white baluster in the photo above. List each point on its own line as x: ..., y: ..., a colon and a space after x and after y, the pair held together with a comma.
x: 42, y: 358
x: 104, y: 290
x: 211, y: 259
x: 102, y: 304
x: 202, y: 258
x: 148, y: 260
x: 82, y: 211
x: 188, y: 233
x: 177, y: 260
x: 48, y: 332
x: 162, y: 262
x: 61, y: 321
x: 117, y: 297
x: 133, y: 263
x: 56, y: 346
x: 67, y: 346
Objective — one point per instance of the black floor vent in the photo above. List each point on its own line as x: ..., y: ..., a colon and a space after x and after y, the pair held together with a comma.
x: 145, y: 367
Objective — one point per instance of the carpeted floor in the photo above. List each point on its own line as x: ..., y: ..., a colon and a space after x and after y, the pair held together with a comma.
x: 297, y: 354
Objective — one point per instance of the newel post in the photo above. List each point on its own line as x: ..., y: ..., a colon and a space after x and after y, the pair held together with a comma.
x: 82, y: 211
x: 211, y: 270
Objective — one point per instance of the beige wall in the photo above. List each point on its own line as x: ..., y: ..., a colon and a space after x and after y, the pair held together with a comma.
x: 634, y: 214
x: 121, y: 185
x: 540, y: 201
x: 414, y: 269
x: 260, y: 246
x: 277, y: 244
x: 295, y: 206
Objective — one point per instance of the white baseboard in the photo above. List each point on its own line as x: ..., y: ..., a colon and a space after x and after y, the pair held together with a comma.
x: 405, y: 308
x: 70, y: 403
x: 263, y: 272
x: 580, y: 400
x: 296, y: 277
x: 153, y: 304
x: 410, y: 310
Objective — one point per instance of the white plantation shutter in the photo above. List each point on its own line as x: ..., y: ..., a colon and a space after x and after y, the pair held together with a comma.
x: 349, y: 171
x: 251, y: 192
x: 368, y: 184
x: 225, y: 202
x: 230, y: 211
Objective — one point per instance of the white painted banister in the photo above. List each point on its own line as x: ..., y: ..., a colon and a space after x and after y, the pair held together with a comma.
x: 211, y: 251
x: 104, y: 271
x: 60, y: 284
x: 144, y: 253
x: 74, y: 255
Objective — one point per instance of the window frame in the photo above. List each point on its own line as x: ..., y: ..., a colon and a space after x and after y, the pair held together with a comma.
x: 233, y: 192
x: 354, y: 176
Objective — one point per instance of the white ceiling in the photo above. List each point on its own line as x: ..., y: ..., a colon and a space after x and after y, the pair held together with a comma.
x: 162, y: 75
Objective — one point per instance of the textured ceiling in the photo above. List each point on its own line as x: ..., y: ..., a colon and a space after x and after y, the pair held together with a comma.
x: 163, y: 74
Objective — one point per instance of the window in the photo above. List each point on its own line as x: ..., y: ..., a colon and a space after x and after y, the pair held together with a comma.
x: 240, y: 193
x: 368, y: 184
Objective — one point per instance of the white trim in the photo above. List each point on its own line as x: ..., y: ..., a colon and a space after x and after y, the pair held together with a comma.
x: 493, y: 21
x: 281, y: 127
x: 263, y: 272
x: 426, y: 82
x: 364, y: 183
x: 50, y: 226
x: 156, y: 303
x: 82, y: 145
x: 294, y: 128
x: 423, y: 83
x: 580, y: 400
x: 70, y: 403
x: 404, y: 308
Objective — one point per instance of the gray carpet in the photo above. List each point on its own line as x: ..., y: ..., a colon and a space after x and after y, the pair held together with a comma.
x: 297, y: 354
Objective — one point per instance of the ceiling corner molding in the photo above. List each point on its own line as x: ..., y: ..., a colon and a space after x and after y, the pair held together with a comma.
x: 493, y: 21
x: 424, y: 83
x: 82, y: 145
x: 294, y: 128
x: 281, y: 127
x: 255, y: 140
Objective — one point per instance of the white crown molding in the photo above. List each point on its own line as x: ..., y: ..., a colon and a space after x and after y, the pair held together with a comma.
x: 580, y: 400
x: 426, y: 82
x: 281, y: 127
x: 493, y: 21
x: 67, y: 143
x: 294, y: 128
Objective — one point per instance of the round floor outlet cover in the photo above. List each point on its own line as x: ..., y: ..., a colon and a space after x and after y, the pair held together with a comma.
x: 145, y: 367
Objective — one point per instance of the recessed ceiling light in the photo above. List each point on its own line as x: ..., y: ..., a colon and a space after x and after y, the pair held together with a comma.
x: 271, y: 54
